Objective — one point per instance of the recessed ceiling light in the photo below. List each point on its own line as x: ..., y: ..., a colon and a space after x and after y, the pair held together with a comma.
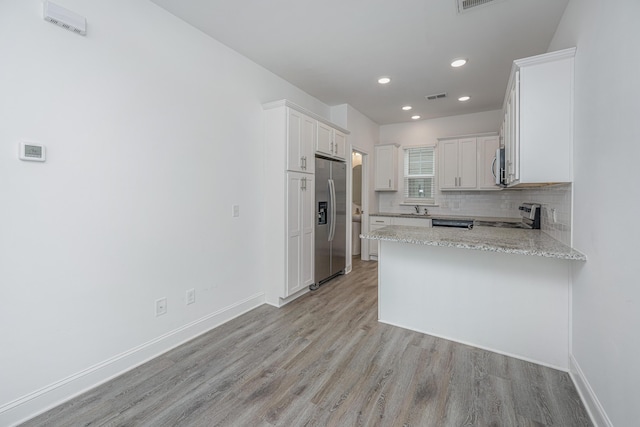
x: 384, y: 80
x: 464, y: 98
x: 407, y: 107
x: 458, y: 62
x: 416, y: 117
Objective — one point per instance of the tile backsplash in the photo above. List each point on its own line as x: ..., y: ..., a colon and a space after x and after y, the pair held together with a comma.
x: 555, y: 201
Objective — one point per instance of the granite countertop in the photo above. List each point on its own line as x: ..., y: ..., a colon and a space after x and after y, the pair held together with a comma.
x: 492, y: 239
x: 459, y: 217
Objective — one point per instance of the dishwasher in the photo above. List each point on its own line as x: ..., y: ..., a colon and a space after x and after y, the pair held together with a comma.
x: 455, y: 223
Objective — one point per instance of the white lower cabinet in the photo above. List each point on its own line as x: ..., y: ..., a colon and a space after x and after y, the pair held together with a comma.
x: 299, y: 224
x: 412, y: 222
x: 376, y: 222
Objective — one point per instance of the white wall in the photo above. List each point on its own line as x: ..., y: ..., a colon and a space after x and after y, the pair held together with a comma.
x: 606, y: 291
x: 364, y: 135
x: 153, y: 131
x: 502, y: 204
x: 427, y: 132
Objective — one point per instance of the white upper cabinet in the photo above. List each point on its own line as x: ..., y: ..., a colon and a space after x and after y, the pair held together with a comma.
x: 458, y: 164
x: 325, y: 139
x: 537, y: 129
x: 340, y: 144
x: 386, y: 168
x: 331, y: 142
x: 467, y: 163
x: 301, y: 141
x: 487, y: 167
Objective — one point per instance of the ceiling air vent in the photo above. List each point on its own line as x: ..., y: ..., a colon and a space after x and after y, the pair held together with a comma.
x: 436, y: 96
x: 465, y: 5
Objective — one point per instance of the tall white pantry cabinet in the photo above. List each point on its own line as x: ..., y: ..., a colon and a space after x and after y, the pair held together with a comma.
x: 291, y: 142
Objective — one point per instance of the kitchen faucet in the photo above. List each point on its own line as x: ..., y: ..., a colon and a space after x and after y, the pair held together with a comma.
x: 417, y: 208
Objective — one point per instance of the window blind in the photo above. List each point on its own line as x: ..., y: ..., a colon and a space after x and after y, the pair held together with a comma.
x: 419, y: 173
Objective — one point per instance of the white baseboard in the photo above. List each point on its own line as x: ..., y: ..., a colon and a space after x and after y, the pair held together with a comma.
x: 39, y: 401
x: 594, y: 408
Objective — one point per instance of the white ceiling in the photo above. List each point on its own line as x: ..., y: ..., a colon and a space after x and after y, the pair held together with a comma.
x: 336, y: 50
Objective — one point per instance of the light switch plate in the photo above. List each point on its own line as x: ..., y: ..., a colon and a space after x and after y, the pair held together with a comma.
x: 235, y: 211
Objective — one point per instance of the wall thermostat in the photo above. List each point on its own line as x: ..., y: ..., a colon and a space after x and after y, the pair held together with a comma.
x: 32, y: 151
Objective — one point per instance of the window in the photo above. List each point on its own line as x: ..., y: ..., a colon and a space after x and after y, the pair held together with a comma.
x: 419, y: 174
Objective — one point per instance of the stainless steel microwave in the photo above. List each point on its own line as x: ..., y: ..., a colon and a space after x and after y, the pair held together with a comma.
x: 499, y: 170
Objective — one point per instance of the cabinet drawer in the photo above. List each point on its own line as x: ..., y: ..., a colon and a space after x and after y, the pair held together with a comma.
x: 380, y: 220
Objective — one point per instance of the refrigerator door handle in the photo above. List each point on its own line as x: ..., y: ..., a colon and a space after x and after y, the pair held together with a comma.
x: 332, y: 213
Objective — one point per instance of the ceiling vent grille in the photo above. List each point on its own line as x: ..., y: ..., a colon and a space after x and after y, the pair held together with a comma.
x: 465, y: 5
x: 436, y: 96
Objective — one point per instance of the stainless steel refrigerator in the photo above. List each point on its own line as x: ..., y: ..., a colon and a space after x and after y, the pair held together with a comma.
x: 331, y: 220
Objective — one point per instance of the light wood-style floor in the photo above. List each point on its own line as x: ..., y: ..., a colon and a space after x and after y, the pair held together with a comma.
x: 324, y: 360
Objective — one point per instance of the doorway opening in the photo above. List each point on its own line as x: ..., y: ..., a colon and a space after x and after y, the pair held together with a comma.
x: 359, y: 203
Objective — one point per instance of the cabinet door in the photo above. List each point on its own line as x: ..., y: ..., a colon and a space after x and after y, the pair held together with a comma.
x: 301, y: 142
x: 294, y: 141
x: 413, y: 222
x: 294, y: 233
x: 308, y: 137
x: 448, y: 152
x: 300, y: 200
x: 339, y: 144
x: 386, y: 168
x: 487, y: 167
x: 324, y: 143
x: 376, y: 222
x: 467, y: 164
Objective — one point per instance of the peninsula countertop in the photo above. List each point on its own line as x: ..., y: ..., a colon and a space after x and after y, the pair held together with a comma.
x: 492, y: 239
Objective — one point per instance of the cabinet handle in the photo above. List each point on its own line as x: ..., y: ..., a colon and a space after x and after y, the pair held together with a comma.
x: 389, y: 183
x: 336, y: 151
x: 303, y: 184
x: 304, y: 161
x: 331, y: 147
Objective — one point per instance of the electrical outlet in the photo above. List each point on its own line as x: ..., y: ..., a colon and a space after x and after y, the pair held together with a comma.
x: 161, y: 306
x: 191, y: 296
x: 235, y: 211
x: 554, y: 216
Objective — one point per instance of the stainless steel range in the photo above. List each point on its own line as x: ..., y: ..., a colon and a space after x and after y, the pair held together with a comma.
x: 530, y: 218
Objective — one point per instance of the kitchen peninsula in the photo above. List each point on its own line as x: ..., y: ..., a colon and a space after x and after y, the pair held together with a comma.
x: 505, y: 290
